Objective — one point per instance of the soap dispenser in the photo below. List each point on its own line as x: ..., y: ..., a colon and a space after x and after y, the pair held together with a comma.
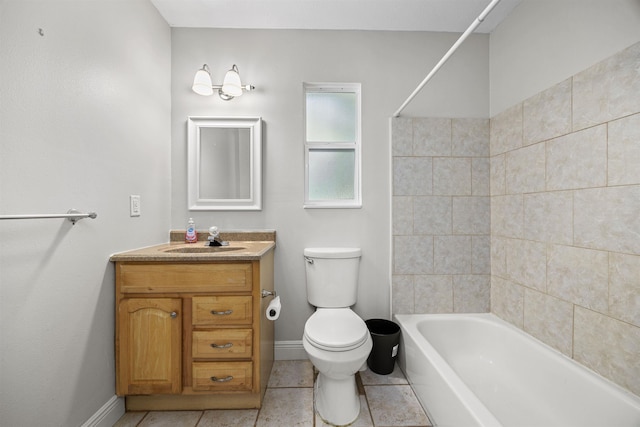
x: 191, y: 236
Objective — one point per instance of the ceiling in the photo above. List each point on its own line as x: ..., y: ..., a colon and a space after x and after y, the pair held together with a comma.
x: 386, y: 15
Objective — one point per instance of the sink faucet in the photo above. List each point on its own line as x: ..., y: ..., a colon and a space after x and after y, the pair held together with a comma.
x: 214, y: 237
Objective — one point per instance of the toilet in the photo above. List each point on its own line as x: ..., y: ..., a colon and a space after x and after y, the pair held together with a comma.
x: 335, y: 338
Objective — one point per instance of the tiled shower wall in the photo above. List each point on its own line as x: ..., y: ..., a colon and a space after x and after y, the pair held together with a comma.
x: 441, y: 215
x: 565, y: 217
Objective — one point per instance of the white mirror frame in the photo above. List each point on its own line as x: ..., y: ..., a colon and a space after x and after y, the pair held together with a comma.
x: 197, y: 203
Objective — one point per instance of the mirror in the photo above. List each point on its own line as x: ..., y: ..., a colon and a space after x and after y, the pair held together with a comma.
x: 224, y: 163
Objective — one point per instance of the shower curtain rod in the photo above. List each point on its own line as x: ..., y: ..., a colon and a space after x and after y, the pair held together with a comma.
x: 447, y: 55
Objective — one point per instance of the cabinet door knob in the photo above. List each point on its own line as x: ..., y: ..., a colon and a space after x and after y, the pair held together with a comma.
x: 221, y: 313
x: 227, y: 345
x: 173, y: 314
x: 221, y: 380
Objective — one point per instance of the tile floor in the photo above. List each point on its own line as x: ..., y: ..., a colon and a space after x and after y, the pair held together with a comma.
x: 386, y: 401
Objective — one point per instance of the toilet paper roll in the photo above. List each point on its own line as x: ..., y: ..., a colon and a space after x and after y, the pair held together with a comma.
x: 273, y: 309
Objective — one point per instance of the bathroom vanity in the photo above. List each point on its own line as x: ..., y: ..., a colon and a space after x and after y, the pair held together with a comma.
x: 191, y: 330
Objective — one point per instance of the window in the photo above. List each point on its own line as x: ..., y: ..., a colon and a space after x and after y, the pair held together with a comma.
x: 332, y: 145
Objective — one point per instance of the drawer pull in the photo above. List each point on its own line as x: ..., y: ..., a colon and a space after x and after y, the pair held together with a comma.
x: 173, y: 315
x: 221, y: 313
x: 227, y: 345
x: 221, y: 380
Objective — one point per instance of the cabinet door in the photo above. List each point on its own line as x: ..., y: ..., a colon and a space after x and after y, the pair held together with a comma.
x: 149, y: 346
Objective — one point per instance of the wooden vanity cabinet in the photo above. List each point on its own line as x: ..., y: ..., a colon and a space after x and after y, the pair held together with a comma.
x: 193, y: 335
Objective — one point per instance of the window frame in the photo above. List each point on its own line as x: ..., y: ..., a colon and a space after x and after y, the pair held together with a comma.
x: 355, y: 146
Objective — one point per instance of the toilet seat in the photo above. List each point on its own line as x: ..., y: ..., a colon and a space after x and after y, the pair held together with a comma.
x: 335, y: 329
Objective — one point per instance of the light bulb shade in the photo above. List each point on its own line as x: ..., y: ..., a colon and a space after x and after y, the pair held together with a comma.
x: 231, y: 85
x: 202, y: 82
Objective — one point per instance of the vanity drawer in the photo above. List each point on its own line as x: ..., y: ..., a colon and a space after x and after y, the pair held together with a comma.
x: 221, y: 310
x: 222, y: 344
x: 184, y: 277
x: 222, y: 376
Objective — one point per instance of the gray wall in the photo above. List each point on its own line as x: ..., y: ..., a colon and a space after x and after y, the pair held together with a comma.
x: 543, y: 42
x: 389, y: 65
x: 84, y: 123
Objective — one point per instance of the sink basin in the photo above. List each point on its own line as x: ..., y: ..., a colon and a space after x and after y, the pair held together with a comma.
x: 203, y: 249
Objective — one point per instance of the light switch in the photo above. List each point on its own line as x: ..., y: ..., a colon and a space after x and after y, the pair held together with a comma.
x: 134, y: 205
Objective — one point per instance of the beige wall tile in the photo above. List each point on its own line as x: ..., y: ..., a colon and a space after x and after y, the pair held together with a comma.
x: 578, y: 160
x: 434, y: 294
x: 527, y: 263
x: 431, y: 137
x: 586, y: 216
x: 452, y: 176
x: 579, y: 275
x: 549, y: 319
x: 480, y: 176
x: 506, y: 130
x: 452, y: 254
x: 608, y: 90
x: 432, y: 215
x: 547, y: 114
x: 412, y: 176
x: 548, y: 217
x: 499, y: 256
x: 624, y: 287
x: 497, y: 177
x: 471, y: 293
x: 402, y: 215
x: 525, y: 169
x: 608, y: 346
x: 402, y: 292
x: 419, y: 213
x: 608, y: 218
x: 412, y: 255
x: 470, y: 137
x: 624, y: 151
x: 481, y: 254
x: 507, y: 215
x: 471, y: 215
x: 507, y: 300
x: 402, y: 136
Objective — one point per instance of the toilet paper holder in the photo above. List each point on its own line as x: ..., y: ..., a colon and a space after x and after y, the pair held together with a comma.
x: 265, y: 293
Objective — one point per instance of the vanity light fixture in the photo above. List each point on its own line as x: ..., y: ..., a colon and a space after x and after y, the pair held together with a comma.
x: 230, y: 88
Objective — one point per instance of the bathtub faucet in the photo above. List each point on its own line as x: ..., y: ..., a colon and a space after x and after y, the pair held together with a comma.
x: 214, y: 237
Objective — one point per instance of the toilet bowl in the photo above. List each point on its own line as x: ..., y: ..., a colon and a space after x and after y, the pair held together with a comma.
x: 338, y: 343
x: 335, y: 338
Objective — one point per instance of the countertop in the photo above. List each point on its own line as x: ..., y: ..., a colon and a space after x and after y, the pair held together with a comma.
x: 246, y: 251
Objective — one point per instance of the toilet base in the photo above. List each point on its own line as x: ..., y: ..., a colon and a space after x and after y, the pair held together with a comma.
x: 336, y: 400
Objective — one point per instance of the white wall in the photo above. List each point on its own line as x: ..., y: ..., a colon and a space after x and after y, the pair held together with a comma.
x: 389, y: 65
x: 84, y: 123
x: 544, y: 42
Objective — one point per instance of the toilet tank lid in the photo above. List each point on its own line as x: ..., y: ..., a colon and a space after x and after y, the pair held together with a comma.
x: 332, y: 252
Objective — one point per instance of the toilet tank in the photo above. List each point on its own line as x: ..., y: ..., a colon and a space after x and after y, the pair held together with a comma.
x: 332, y: 276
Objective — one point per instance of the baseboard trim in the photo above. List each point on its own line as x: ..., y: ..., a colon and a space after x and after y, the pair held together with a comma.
x: 289, y: 350
x: 108, y: 415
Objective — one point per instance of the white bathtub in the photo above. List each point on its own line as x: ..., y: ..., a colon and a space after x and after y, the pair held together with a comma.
x: 478, y: 370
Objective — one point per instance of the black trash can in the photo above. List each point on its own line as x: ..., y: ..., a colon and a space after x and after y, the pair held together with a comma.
x: 386, y: 338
